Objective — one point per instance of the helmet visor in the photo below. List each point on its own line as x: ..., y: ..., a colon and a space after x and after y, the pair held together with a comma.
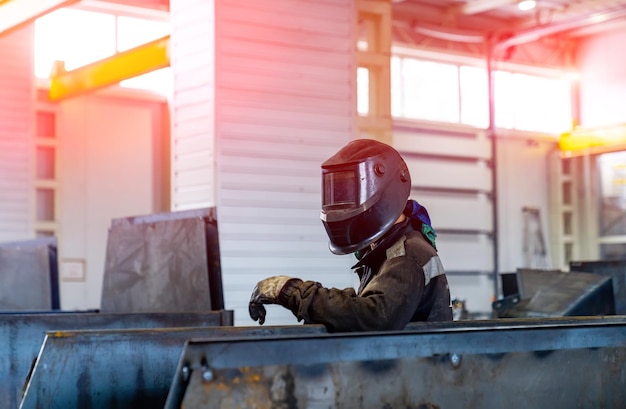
x: 341, y: 189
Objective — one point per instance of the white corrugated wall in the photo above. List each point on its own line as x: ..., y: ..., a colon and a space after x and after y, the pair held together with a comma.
x: 451, y: 177
x: 192, y: 56
x: 17, y: 114
x: 282, y: 101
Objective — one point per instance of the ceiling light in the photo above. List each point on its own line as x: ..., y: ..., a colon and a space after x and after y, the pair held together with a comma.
x: 526, y: 5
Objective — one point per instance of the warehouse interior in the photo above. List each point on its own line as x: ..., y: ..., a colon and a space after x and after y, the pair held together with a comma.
x: 160, y: 157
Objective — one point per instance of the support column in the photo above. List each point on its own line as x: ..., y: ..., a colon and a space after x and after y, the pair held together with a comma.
x: 192, y: 58
x: 374, y: 39
x: 17, y: 146
x: 263, y: 94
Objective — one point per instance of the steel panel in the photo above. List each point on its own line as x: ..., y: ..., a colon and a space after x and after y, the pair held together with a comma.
x: 551, y: 363
x: 545, y: 293
x: 120, y: 368
x: 616, y: 269
x: 21, y: 337
x: 167, y: 262
x: 29, y: 275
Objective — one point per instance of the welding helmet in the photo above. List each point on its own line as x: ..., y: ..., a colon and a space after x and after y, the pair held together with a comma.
x: 365, y: 187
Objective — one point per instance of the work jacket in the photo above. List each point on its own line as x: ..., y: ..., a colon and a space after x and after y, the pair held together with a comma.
x: 401, y: 280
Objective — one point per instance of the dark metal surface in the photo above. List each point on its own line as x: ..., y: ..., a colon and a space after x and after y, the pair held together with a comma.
x: 120, y: 368
x: 21, y: 337
x: 616, y: 269
x: 553, y: 363
x: 163, y: 263
x: 29, y: 275
x: 549, y: 293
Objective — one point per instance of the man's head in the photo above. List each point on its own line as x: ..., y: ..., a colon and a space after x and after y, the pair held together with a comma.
x: 365, y: 187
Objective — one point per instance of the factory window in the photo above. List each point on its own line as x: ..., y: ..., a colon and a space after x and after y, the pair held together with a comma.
x: 458, y: 93
x: 45, y: 162
x: 429, y: 90
x: 473, y: 87
x: 363, y: 85
x: 46, y: 124
x: 76, y: 37
x: 132, y: 31
x: 532, y: 103
x: 612, y: 229
x: 46, y: 181
x: 79, y: 37
x: 45, y: 204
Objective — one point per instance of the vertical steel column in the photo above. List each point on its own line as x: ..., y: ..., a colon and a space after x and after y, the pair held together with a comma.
x: 491, y: 134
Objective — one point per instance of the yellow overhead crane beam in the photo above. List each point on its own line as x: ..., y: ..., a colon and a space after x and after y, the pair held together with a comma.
x: 16, y: 13
x: 109, y: 71
x: 591, y: 140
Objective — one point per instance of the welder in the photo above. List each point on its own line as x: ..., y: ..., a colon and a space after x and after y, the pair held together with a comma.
x: 366, y: 210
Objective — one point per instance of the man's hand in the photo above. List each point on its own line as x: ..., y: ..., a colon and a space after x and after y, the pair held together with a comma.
x: 265, y: 292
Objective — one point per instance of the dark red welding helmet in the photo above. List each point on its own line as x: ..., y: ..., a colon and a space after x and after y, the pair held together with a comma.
x: 365, y: 187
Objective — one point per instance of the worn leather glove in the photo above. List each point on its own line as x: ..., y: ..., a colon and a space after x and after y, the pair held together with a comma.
x: 266, y: 292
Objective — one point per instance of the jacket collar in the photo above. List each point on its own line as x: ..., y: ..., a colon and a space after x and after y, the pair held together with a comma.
x: 377, y: 255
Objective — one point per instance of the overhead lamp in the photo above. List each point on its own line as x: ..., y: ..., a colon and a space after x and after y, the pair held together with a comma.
x: 526, y: 5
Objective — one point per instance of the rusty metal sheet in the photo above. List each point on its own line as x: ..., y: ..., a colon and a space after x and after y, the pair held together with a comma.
x: 517, y: 364
x: 165, y: 262
x: 22, y: 335
x: 121, y: 368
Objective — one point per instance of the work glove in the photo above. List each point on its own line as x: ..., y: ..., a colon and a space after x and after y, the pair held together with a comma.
x: 266, y: 292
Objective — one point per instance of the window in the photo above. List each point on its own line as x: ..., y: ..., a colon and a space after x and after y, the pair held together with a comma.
x: 132, y: 32
x: 429, y: 90
x: 363, y: 85
x: 474, y: 96
x: 612, y: 232
x: 80, y: 37
x: 46, y: 178
x: 612, y: 171
x: 458, y: 93
x: 532, y: 103
x: 75, y: 36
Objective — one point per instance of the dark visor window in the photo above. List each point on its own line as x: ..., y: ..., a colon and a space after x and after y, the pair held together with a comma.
x: 340, y: 188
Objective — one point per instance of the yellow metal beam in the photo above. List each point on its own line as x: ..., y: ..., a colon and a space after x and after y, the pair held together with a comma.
x: 109, y: 71
x: 583, y: 140
x: 16, y: 13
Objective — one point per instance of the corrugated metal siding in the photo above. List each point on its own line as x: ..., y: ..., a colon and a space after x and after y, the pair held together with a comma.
x: 451, y: 177
x: 17, y: 115
x: 192, y: 55
x: 284, y: 103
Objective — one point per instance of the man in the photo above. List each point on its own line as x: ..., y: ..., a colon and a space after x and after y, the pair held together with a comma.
x: 366, y: 211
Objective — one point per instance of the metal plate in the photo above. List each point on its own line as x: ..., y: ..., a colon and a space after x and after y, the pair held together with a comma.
x: 21, y: 337
x: 122, y: 368
x: 163, y: 263
x: 616, y: 269
x: 545, y: 293
x: 519, y: 364
x: 29, y: 275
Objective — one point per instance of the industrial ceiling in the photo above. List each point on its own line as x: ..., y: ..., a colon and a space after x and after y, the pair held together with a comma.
x: 446, y: 23
x: 504, y: 17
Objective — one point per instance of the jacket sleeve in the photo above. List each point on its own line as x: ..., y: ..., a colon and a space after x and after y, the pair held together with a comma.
x: 386, y: 303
